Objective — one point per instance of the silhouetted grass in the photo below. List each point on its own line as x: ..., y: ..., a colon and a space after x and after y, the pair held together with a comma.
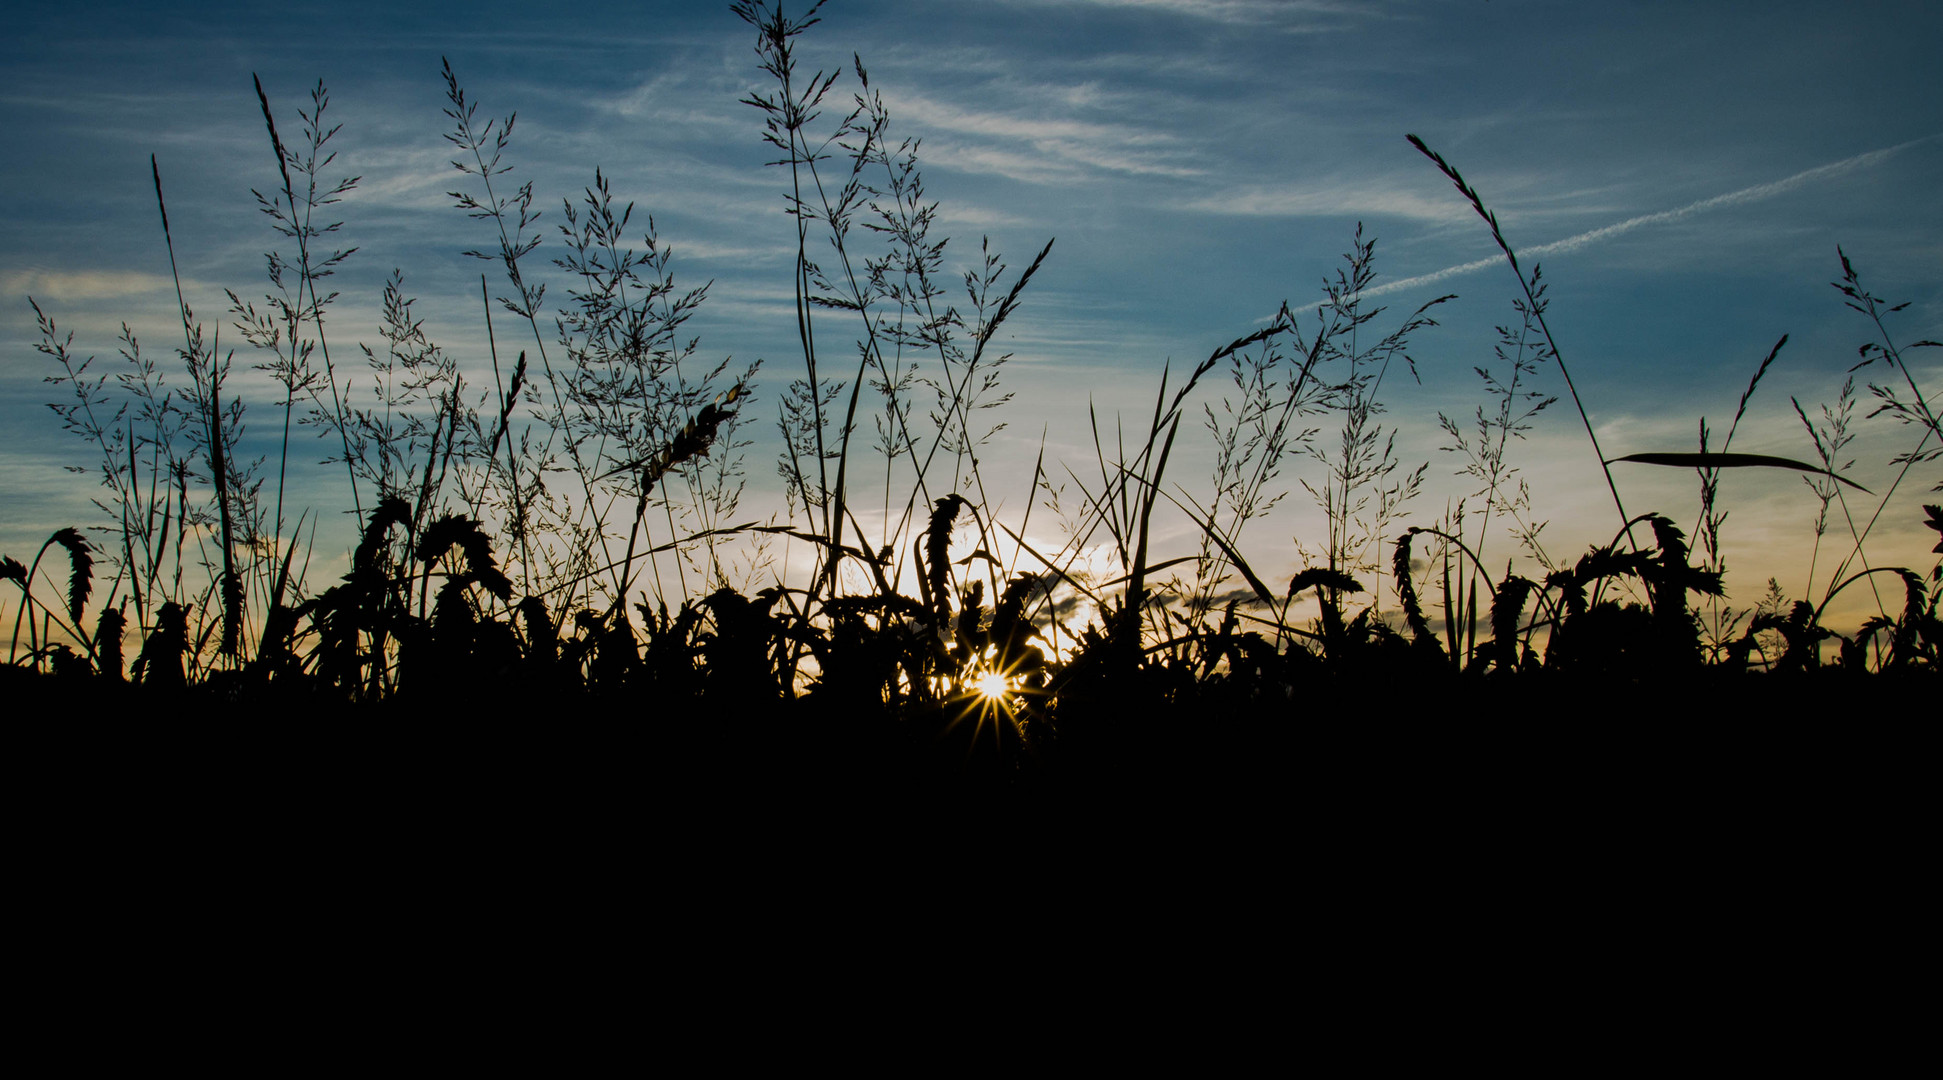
x: 556, y: 607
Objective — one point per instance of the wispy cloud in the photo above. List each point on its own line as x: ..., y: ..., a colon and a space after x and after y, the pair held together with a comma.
x: 1335, y: 197
x: 403, y: 177
x: 81, y: 284
x: 1006, y: 125
x: 1279, y: 13
x: 1061, y: 149
x: 1027, y: 168
x: 975, y: 216
x: 1740, y: 197
x: 739, y: 254
x: 677, y: 97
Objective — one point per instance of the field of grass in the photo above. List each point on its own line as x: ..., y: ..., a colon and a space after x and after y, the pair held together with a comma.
x: 570, y: 541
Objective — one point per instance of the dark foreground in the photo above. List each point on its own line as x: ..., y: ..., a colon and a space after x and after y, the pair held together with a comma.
x: 1629, y: 747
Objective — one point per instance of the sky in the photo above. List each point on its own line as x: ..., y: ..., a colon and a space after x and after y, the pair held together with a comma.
x: 1684, y: 172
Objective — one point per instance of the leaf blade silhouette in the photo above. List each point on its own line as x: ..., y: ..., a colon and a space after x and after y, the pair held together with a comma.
x: 1734, y: 461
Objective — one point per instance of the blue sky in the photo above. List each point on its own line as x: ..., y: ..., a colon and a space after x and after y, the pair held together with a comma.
x: 1684, y: 171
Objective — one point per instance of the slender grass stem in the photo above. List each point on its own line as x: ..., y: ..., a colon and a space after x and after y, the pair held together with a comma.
x: 1497, y: 234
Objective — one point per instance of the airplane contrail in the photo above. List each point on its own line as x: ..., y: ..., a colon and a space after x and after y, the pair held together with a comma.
x: 1732, y: 198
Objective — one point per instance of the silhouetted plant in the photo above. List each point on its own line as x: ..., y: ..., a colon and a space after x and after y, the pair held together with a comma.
x: 557, y: 599
x: 1486, y: 451
x: 1530, y: 286
x: 1365, y: 489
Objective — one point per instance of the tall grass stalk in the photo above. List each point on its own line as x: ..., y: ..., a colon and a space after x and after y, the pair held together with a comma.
x: 482, y: 148
x: 1725, y: 620
x: 1917, y: 410
x: 297, y: 304
x: 1364, y: 468
x: 1526, y: 284
x: 218, y: 425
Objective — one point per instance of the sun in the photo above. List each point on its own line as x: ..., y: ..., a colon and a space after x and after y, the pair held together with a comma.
x: 988, y: 697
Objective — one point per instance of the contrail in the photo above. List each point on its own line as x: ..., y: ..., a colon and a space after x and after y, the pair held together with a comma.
x: 1732, y: 198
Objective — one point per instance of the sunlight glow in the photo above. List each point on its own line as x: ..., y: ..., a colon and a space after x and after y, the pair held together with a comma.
x: 991, y: 685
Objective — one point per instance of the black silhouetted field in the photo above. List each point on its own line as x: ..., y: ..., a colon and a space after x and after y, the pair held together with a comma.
x: 567, y: 545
